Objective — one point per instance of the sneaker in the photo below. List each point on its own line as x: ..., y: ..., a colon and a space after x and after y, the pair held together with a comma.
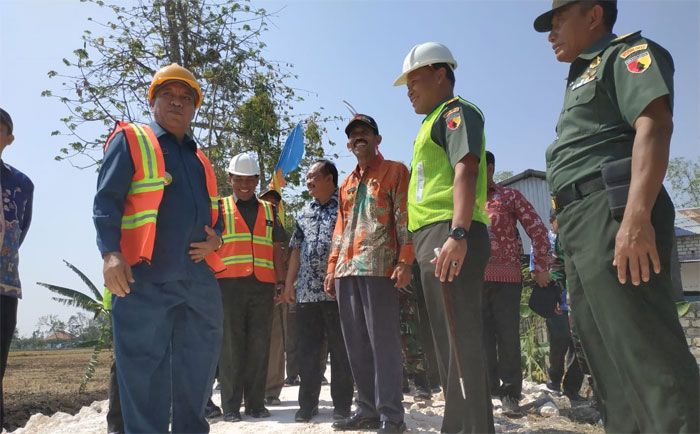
x: 510, y: 407
x: 304, y: 415
x: 271, y: 400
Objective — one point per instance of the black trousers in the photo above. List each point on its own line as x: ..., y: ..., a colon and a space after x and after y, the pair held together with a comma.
x: 425, y: 335
x: 564, y: 368
x: 8, y: 321
x: 473, y: 415
x: 501, y: 310
x: 645, y: 375
x: 314, y: 320
x: 369, y: 314
x: 246, y: 342
x: 115, y: 423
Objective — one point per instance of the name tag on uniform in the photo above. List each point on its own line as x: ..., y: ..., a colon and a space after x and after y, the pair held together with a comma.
x: 582, y: 81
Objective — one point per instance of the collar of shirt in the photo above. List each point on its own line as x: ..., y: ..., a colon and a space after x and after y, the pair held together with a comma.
x: 333, y: 199
x: 160, y: 132
x: 374, y: 163
x: 598, y: 46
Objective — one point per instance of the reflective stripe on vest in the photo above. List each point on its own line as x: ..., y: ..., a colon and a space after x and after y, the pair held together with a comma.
x: 138, y: 226
x: 430, y: 189
x: 243, y: 252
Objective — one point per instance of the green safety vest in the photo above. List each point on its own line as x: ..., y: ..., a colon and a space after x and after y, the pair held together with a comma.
x: 430, y: 188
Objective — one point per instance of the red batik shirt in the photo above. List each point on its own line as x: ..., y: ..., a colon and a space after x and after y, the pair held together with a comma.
x: 507, y: 206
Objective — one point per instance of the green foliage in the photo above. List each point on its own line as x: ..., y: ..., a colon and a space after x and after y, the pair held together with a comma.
x: 75, y: 298
x: 247, y: 104
x: 502, y: 175
x: 682, y: 307
x: 684, y: 176
x: 534, y: 346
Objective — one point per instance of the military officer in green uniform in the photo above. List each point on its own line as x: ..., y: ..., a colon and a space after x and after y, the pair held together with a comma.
x: 447, y: 215
x: 605, y: 171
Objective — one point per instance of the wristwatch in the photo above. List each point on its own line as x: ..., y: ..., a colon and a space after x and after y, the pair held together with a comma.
x: 458, y: 233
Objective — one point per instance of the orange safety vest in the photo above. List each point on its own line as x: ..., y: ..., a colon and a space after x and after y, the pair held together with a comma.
x: 138, y: 229
x: 245, y: 253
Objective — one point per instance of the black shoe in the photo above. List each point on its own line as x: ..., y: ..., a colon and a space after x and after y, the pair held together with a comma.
x: 389, y: 426
x: 356, y: 422
x: 574, y: 397
x: 212, y: 411
x: 258, y: 413
x: 423, y: 393
x: 340, y: 414
x: 292, y: 381
x: 232, y: 416
x: 553, y: 387
x: 304, y: 415
x: 510, y: 407
x: 271, y: 400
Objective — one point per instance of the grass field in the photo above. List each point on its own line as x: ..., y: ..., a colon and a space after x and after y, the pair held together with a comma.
x: 48, y: 381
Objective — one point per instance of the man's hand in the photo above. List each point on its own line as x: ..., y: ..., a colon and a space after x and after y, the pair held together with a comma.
x: 402, y: 275
x: 541, y: 277
x: 449, y: 263
x: 289, y: 296
x: 117, y: 274
x: 329, y: 284
x: 200, y: 250
x: 279, y: 294
x: 635, y: 244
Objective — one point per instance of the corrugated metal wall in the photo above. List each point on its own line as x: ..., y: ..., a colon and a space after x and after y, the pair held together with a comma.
x: 537, y: 192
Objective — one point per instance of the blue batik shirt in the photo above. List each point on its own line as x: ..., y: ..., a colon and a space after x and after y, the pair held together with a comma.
x: 17, y: 195
x: 312, y: 236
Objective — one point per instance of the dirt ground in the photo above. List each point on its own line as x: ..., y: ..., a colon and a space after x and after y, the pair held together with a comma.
x: 48, y: 381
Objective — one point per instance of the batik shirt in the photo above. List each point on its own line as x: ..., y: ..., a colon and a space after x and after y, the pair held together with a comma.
x: 17, y: 195
x: 312, y: 236
x: 371, y: 235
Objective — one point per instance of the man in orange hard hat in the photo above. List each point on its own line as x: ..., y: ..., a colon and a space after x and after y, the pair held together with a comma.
x: 158, y: 225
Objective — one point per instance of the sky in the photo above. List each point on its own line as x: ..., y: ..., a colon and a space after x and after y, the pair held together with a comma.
x: 341, y: 50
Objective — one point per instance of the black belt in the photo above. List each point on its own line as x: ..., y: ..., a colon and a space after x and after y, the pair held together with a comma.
x: 576, y: 191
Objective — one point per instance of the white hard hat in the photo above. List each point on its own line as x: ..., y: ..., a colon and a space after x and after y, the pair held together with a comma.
x: 427, y: 53
x: 245, y: 164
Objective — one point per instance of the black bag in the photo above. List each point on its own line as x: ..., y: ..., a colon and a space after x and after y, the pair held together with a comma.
x: 543, y: 300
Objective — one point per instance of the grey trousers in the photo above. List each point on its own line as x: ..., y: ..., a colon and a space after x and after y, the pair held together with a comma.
x: 369, y: 316
x: 473, y: 415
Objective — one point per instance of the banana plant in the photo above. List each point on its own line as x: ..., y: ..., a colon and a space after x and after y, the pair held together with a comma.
x: 93, y: 302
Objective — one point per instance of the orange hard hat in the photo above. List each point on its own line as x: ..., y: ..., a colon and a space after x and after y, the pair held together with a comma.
x: 175, y: 72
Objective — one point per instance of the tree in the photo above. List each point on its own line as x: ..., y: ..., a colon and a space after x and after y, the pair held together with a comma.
x: 48, y: 324
x: 247, y: 104
x: 684, y: 176
x: 502, y: 175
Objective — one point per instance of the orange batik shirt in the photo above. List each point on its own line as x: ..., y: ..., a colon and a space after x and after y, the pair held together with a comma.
x: 371, y: 234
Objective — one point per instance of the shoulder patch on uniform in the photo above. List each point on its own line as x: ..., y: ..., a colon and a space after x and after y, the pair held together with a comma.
x: 454, y: 120
x: 625, y: 54
x: 450, y: 111
x: 628, y: 36
x: 639, y: 62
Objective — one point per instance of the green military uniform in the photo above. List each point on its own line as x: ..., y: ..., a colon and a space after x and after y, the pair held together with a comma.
x: 454, y: 129
x: 413, y: 358
x: 646, y: 376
